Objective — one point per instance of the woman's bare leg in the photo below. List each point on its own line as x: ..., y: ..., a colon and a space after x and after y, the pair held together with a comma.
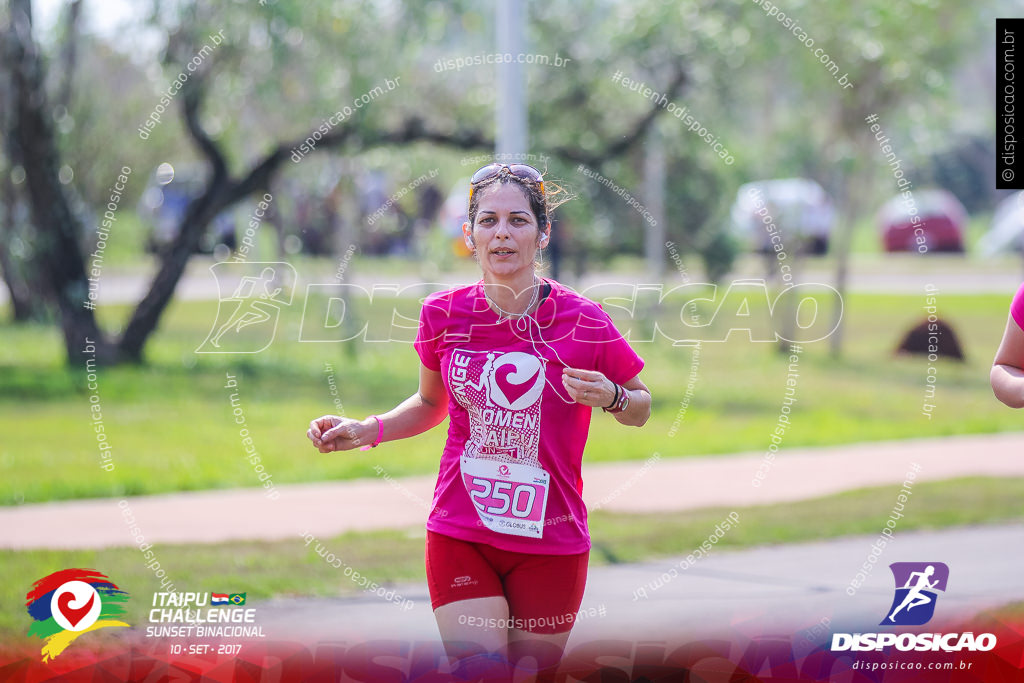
x: 475, y: 634
x: 535, y: 652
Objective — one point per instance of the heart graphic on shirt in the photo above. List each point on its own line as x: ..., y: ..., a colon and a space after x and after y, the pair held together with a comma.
x: 517, y: 380
x: 512, y: 390
x: 72, y: 614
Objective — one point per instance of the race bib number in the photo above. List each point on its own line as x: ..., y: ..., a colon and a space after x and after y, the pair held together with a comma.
x: 510, y: 498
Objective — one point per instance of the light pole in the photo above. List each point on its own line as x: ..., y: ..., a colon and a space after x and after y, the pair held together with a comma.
x: 511, y: 138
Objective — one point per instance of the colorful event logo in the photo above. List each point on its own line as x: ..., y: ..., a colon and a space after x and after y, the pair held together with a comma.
x: 916, y: 583
x: 68, y: 603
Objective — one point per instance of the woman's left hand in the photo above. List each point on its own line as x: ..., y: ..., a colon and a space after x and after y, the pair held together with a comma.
x: 589, y: 387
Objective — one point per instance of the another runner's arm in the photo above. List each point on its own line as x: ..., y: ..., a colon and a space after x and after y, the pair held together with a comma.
x: 1007, y: 376
x: 422, y: 411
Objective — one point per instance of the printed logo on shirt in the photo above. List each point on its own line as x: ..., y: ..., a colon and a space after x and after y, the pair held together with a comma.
x: 517, y: 380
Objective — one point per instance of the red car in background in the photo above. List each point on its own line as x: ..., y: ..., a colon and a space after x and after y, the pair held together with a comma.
x: 942, y: 219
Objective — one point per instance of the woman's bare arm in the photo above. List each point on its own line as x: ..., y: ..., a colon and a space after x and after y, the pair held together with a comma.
x: 1007, y: 377
x: 422, y: 411
x: 638, y: 411
x: 594, y: 389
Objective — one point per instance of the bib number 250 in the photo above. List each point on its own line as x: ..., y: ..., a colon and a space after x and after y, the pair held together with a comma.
x: 509, y: 498
x: 503, y: 497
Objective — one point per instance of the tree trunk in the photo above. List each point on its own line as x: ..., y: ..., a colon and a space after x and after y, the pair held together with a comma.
x: 69, y: 53
x: 848, y: 211
x: 843, y: 244
x: 23, y: 306
x: 789, y: 322
x: 172, y: 265
x: 58, y: 257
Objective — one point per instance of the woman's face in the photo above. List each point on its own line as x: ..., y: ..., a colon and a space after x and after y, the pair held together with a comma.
x: 505, y: 233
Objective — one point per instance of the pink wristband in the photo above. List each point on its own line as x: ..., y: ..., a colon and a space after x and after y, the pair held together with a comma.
x: 380, y: 435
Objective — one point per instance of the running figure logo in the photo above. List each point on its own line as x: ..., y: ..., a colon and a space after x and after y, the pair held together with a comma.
x: 916, y: 586
x: 254, y: 306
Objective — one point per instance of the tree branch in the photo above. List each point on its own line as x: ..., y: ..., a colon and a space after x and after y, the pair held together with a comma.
x: 198, y: 214
x: 627, y: 141
x: 222, y: 191
x: 412, y: 130
x: 69, y: 53
x: 193, y: 95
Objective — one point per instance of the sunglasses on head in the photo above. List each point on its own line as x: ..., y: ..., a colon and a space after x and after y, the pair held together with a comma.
x: 524, y: 171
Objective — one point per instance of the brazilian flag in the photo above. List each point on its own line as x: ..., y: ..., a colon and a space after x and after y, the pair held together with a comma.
x: 237, y: 598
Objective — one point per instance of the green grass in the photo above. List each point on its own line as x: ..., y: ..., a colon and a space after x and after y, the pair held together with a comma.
x: 932, y: 505
x: 291, y: 568
x: 171, y: 427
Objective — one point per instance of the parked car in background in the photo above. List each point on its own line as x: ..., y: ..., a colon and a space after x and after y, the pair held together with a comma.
x: 799, y: 209
x: 934, y: 220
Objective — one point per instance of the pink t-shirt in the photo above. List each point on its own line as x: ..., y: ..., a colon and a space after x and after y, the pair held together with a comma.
x: 1017, y: 307
x: 516, y: 438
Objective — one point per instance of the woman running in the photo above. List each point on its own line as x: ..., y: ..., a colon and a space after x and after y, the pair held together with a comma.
x: 518, y: 363
x: 1007, y: 374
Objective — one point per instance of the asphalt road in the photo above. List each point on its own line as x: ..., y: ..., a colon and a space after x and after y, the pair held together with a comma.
x: 797, y: 591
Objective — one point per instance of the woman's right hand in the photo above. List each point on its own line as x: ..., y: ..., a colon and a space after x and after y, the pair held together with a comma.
x: 332, y: 433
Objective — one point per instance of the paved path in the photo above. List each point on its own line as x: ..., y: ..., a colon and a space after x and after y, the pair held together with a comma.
x: 879, y: 274
x: 787, y: 589
x: 658, y: 484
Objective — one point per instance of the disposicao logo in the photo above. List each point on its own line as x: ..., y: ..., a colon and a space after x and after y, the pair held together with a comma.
x: 68, y: 603
x: 916, y: 583
x: 913, y: 605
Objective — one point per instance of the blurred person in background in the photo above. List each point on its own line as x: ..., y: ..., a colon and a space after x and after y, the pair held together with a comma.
x: 1007, y: 374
